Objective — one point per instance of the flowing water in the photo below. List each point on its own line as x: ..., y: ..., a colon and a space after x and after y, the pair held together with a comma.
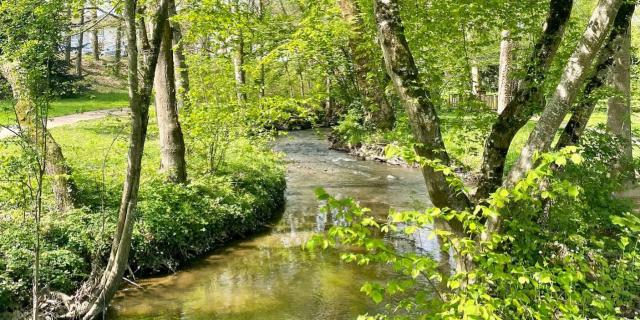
x: 268, y: 276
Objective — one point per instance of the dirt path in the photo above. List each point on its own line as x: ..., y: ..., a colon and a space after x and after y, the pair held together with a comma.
x: 70, y: 119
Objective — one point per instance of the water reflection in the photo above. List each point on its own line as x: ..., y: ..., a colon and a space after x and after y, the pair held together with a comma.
x: 269, y: 276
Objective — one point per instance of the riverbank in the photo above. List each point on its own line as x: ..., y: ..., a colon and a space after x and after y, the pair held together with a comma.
x: 177, y: 223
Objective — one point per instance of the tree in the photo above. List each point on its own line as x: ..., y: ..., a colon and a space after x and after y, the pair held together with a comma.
x: 582, y: 112
x: 379, y: 110
x: 172, y: 147
x: 619, y: 113
x: 504, y: 78
x: 139, y: 99
x: 572, y: 79
x: 179, y: 59
x: 417, y: 102
x: 80, y: 46
x: 525, y: 97
x: 94, y: 32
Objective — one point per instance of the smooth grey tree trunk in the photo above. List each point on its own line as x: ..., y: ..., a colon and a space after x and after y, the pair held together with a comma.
x: 572, y: 79
x: 526, y: 97
x: 172, y: 148
x: 580, y: 117
x: 619, y: 112
x: 504, y: 77
x: 139, y: 100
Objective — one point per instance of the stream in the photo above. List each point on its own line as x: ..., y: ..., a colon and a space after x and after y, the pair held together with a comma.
x: 269, y: 276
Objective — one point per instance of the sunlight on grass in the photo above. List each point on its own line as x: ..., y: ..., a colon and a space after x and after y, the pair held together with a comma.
x: 89, y: 101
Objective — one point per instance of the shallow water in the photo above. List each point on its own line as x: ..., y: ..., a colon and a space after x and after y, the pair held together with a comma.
x: 268, y: 276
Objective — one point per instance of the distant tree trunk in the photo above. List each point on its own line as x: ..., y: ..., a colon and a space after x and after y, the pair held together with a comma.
x: 56, y: 167
x: 238, y: 67
x: 172, y: 149
x: 118, y: 49
x: 504, y: 77
x: 475, y: 79
x: 80, y: 45
x: 328, y: 102
x: 619, y: 113
x: 526, y: 96
x: 580, y: 117
x: 379, y: 110
x: 67, y: 40
x: 94, y: 33
x: 423, y: 119
x: 139, y: 100
x: 572, y: 78
x: 179, y: 59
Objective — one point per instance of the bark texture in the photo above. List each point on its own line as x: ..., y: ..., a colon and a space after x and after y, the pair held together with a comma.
x: 504, y: 78
x: 94, y: 34
x: 172, y: 149
x: 619, y: 113
x: 80, y: 45
x: 416, y: 100
x: 580, y: 117
x: 572, y: 79
x: 139, y: 100
x: 379, y: 110
x: 238, y: 67
x: 179, y: 59
x: 526, y: 99
x: 32, y: 128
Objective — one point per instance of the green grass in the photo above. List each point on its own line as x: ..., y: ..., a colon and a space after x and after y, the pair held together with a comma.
x: 90, y: 101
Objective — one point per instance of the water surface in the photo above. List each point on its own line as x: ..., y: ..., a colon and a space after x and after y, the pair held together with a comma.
x: 268, y: 276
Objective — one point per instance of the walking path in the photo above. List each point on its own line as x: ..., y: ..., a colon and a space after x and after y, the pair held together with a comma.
x: 70, y: 119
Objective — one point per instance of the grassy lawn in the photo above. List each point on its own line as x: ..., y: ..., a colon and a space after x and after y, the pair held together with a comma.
x: 90, y: 101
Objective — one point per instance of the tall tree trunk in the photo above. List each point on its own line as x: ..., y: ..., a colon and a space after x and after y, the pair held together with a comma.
x: 379, y: 110
x: 580, y: 117
x: 504, y: 77
x: 139, y: 100
x: 179, y: 59
x: 475, y: 79
x: 572, y: 78
x: 67, y: 40
x: 172, y: 149
x: 118, y: 49
x: 80, y: 45
x: 94, y: 33
x: 526, y: 97
x: 238, y: 67
x: 416, y: 100
x: 56, y: 166
x: 619, y: 113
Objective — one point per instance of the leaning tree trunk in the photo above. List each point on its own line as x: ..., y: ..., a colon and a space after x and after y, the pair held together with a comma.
x: 94, y: 33
x: 417, y: 103
x: 572, y: 78
x: 30, y: 127
x: 139, y: 100
x: 504, y: 77
x: 80, y: 45
x: 179, y: 60
x: 578, y: 122
x: 526, y: 96
x: 172, y: 149
x: 619, y: 113
x: 379, y: 110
